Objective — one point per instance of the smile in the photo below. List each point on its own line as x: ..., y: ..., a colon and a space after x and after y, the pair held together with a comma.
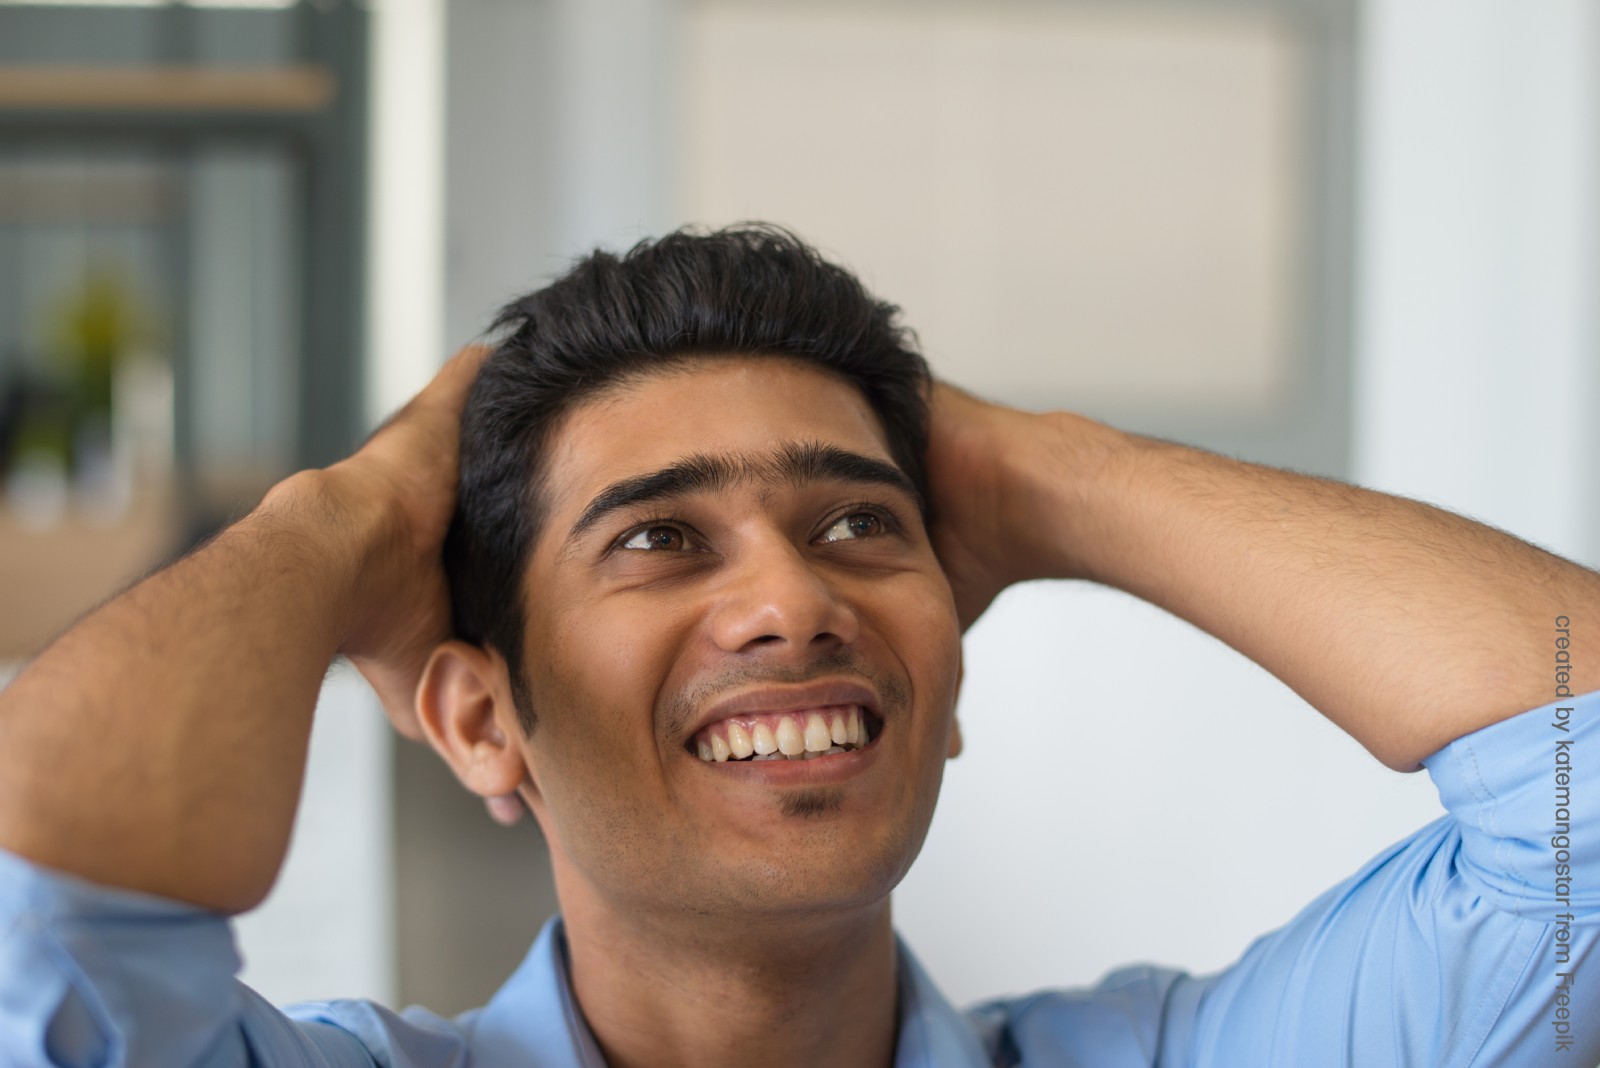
x: 802, y: 734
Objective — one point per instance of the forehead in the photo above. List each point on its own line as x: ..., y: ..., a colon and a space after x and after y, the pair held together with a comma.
x: 733, y: 406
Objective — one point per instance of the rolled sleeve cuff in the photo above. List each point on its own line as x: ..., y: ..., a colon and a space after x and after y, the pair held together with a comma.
x: 1520, y: 791
x: 95, y: 976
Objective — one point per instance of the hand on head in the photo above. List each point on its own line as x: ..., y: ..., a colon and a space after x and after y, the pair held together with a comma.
x: 976, y: 453
x: 410, y: 465
x: 408, y: 468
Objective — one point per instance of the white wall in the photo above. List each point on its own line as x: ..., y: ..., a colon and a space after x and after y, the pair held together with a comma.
x: 557, y: 125
x: 405, y: 231
x: 1479, y: 358
x: 1134, y: 792
x: 327, y: 929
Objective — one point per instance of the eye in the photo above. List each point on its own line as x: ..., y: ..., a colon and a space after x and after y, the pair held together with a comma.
x: 855, y: 525
x: 656, y: 538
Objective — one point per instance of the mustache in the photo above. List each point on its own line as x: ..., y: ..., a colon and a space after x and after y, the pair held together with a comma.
x: 841, y: 663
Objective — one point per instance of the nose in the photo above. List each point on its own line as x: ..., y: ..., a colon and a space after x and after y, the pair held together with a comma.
x: 777, y: 599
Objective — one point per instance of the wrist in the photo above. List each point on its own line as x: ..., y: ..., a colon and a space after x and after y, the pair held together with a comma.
x: 346, y: 537
x: 1063, y: 489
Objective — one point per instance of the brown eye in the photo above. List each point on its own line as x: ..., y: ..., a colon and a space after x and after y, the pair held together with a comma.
x: 855, y: 525
x: 668, y: 538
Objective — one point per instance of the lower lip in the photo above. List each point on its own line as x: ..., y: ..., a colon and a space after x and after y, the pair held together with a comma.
x: 817, y: 771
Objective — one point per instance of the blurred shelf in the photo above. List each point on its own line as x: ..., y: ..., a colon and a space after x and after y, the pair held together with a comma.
x: 52, y: 575
x: 298, y: 89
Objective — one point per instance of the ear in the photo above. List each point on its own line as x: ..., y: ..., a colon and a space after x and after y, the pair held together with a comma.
x: 465, y: 708
x: 955, y: 721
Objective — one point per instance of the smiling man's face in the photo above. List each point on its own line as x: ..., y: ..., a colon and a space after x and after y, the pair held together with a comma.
x: 729, y: 546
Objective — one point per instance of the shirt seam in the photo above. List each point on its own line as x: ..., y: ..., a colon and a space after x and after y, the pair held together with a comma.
x: 1488, y: 822
x: 1486, y: 1013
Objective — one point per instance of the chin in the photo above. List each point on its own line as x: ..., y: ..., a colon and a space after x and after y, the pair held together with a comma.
x: 834, y: 872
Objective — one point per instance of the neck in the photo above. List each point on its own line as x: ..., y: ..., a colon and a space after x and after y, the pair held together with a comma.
x: 800, y: 990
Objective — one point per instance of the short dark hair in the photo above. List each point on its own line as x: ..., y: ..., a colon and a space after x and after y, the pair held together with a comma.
x: 749, y: 290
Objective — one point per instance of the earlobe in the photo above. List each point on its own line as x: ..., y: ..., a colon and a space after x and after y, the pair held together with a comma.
x: 461, y: 704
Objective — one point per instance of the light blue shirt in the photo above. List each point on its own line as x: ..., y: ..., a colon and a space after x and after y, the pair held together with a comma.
x: 1443, y: 951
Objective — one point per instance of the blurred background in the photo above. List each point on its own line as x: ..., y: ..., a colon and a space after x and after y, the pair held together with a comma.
x: 1353, y: 237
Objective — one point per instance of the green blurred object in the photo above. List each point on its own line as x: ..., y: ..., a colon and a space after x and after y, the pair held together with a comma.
x: 45, y: 430
x: 95, y: 328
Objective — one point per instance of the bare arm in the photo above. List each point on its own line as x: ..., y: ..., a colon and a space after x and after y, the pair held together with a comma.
x: 1406, y: 625
x: 159, y: 744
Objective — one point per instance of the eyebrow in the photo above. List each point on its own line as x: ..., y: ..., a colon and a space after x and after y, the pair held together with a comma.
x: 793, y: 463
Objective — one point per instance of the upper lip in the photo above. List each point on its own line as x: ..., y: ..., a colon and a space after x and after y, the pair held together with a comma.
x: 790, y: 699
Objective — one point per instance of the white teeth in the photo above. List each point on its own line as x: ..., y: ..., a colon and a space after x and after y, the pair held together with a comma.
x: 790, y: 740
x: 795, y: 737
x: 817, y: 736
x: 739, y: 741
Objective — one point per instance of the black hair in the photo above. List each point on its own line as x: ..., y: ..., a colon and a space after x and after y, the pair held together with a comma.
x: 748, y: 290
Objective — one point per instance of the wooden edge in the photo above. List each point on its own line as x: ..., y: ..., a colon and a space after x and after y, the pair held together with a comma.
x: 188, y: 89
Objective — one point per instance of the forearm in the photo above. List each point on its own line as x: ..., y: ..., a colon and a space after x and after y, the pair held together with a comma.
x: 159, y: 744
x: 1406, y: 625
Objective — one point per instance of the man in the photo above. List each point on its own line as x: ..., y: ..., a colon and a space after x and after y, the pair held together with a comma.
x: 709, y: 565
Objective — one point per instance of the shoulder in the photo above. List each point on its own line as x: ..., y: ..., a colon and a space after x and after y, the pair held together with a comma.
x: 1118, y: 1022
x: 411, y: 1038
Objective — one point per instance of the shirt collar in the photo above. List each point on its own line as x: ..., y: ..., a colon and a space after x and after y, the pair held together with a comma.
x: 534, y: 1019
x: 933, y: 1032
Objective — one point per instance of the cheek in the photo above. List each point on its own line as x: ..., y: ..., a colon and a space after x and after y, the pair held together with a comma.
x: 915, y: 619
x: 595, y: 674
x: 593, y: 755
x: 609, y: 651
x: 920, y: 622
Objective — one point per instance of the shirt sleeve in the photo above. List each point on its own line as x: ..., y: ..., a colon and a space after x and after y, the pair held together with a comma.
x: 92, y: 977
x: 1470, y: 943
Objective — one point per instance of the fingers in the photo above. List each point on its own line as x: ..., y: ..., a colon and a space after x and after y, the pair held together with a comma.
x: 406, y: 473
x: 969, y: 438
x: 454, y: 380
x: 396, y: 690
x: 445, y: 393
x: 946, y: 400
